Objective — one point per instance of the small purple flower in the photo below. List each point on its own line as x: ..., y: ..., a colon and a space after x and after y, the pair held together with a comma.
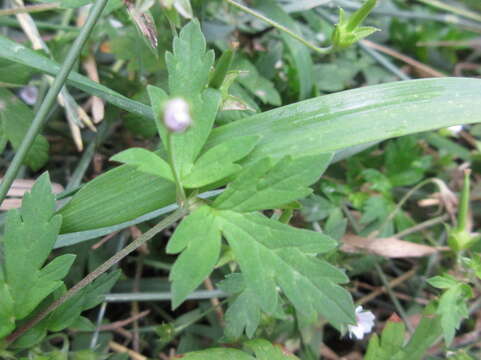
x: 29, y: 94
x: 177, y: 115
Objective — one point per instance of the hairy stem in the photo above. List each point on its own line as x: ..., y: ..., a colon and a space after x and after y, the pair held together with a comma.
x: 169, y: 220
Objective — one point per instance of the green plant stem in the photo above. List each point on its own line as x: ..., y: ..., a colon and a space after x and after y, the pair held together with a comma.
x: 464, y: 203
x: 29, y: 9
x: 317, y: 49
x: 42, y: 114
x: 394, y: 299
x: 180, y: 189
x: 400, y: 205
x: 166, y: 222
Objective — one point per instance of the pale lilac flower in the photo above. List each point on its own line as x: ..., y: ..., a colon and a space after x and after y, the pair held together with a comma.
x: 177, y: 115
x: 29, y: 94
x: 364, y: 323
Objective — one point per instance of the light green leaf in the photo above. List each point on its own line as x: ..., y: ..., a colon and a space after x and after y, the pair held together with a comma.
x: 198, y: 238
x: 145, y: 161
x: 7, y: 311
x: 389, y: 344
x: 15, y: 120
x: 218, y: 162
x: 272, y: 254
x: 30, y: 234
x: 218, y: 354
x: 301, y: 57
x: 264, y: 350
x: 69, y: 313
x: 325, y: 124
x: 264, y: 185
x: 445, y: 281
x: 453, y: 309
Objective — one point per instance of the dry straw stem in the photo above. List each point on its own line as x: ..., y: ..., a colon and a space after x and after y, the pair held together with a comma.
x: 29, y: 9
x: 75, y: 114
x: 424, y: 69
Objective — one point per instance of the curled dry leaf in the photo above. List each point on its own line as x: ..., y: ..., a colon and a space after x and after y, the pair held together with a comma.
x: 390, y: 247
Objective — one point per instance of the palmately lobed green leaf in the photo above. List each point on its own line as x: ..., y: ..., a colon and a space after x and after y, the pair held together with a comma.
x: 188, y: 67
x: 189, y: 64
x: 30, y: 234
x: 272, y: 254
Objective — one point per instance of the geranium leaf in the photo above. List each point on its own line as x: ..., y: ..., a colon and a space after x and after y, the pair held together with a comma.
x: 30, y: 234
x: 268, y: 185
x: 272, y: 254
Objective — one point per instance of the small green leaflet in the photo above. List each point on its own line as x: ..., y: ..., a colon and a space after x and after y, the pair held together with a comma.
x: 452, y: 305
x: 145, y: 161
x: 30, y: 234
x: 219, y: 161
x: 262, y: 349
x: 269, y: 185
x: 390, y: 342
x: 244, y: 312
x: 188, y: 67
x: 199, y: 239
x: 15, y: 119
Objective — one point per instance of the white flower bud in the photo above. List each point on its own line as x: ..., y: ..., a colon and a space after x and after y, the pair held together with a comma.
x: 177, y: 115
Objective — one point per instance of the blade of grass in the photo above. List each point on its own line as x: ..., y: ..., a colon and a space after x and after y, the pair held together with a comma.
x: 42, y: 114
